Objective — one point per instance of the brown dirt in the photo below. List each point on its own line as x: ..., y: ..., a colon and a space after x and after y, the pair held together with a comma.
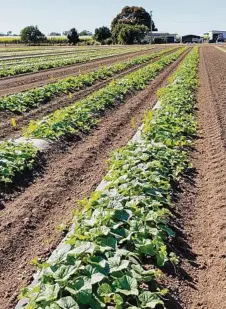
x: 200, y: 281
x: 29, y: 223
x: 7, y: 131
x: 19, y: 83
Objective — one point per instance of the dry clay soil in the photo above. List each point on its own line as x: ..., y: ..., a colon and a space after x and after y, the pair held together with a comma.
x: 28, y: 225
x: 200, y: 214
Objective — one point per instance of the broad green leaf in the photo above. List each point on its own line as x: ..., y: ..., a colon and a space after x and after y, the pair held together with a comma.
x: 126, y: 285
x: 84, y: 297
x: 118, y: 300
x: 150, y: 300
x: 116, y: 264
x: 48, y: 292
x: 65, y: 272
x: 86, y: 247
x: 67, y: 303
x: 104, y: 289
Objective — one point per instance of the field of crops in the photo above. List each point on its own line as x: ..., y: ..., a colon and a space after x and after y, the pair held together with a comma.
x: 14, y: 63
x: 112, y: 177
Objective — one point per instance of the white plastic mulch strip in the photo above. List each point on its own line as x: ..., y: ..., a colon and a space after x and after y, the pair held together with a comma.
x: 41, y: 144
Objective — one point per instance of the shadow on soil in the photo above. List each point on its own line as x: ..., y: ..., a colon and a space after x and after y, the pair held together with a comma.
x: 177, y: 275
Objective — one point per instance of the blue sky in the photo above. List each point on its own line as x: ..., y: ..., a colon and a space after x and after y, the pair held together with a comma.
x: 175, y: 16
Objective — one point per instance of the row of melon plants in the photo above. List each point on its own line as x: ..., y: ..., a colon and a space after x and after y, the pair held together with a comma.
x: 113, y: 255
x: 20, y: 56
x: 43, y: 59
x: 78, y: 117
x: 84, y: 114
x: 24, y: 101
x: 10, y: 52
x: 34, y: 65
x: 23, y: 58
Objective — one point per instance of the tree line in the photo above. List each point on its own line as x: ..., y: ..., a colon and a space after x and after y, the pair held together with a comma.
x: 128, y: 27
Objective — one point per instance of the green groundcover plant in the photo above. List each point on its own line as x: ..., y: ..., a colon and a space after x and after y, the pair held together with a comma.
x: 14, y: 159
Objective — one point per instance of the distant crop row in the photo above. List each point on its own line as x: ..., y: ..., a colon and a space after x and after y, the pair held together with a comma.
x: 20, y: 52
x: 24, y: 59
x: 36, y: 65
x: 108, y: 258
x: 44, y: 49
x: 82, y: 115
x: 42, y: 59
x: 6, y: 64
x: 24, y: 101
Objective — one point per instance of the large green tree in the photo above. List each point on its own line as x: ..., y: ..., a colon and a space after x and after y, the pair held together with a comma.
x: 133, y: 15
x: 102, y: 33
x: 129, y: 34
x: 32, y: 35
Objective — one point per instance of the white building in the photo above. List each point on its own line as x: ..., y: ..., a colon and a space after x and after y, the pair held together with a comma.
x: 214, y: 34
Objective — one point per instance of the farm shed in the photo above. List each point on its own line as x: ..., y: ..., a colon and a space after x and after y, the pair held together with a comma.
x: 190, y: 38
x: 157, y: 36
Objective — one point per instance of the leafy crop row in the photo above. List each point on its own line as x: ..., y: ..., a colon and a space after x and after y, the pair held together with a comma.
x: 106, y: 259
x: 14, y: 159
x: 34, y: 65
x: 8, y: 59
x: 9, y: 52
x: 41, y: 51
x: 82, y: 115
x: 42, y: 60
x: 23, y: 101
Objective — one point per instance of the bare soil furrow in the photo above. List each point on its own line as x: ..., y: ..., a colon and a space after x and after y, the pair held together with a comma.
x: 200, y: 214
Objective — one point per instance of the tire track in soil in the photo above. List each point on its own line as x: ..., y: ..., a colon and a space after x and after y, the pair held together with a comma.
x: 201, y: 210
x: 6, y: 129
x: 23, y: 82
x: 28, y: 224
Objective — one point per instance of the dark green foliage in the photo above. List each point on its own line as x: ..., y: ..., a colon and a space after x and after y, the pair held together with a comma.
x: 133, y: 16
x: 32, y: 35
x: 128, y: 34
x: 102, y: 33
x: 73, y: 36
